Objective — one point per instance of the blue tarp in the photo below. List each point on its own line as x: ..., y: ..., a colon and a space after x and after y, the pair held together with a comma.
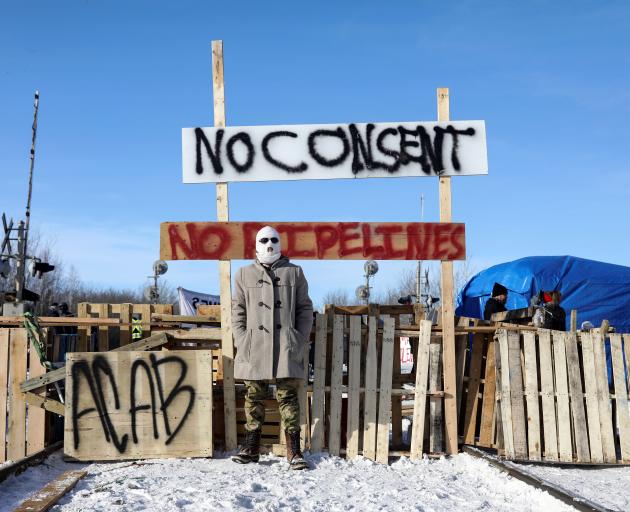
x: 597, y: 290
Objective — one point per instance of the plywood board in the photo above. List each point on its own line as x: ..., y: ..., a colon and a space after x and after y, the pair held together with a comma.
x: 621, y: 396
x: 547, y: 391
x: 319, y: 383
x: 577, y: 399
x: 486, y: 428
x: 131, y: 405
x: 420, y: 392
x: 503, y: 388
x: 436, y: 416
x: 592, y: 404
x: 4, y: 388
x: 472, y: 396
x: 16, y: 425
x: 305, y: 430
x: 315, y: 240
x: 385, y: 391
x: 36, y: 422
x: 531, y: 394
x: 125, y: 320
x: 396, y: 435
x: 603, y: 398
x: 516, y: 395
x: 103, y: 311
x: 371, y: 372
x: 83, y: 331
x: 565, y: 447
x: 354, y: 384
x: 334, y: 434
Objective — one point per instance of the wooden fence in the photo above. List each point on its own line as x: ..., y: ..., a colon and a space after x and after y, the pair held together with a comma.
x: 533, y: 395
x: 25, y: 428
x: 356, y: 389
x: 111, y: 336
x: 555, y: 400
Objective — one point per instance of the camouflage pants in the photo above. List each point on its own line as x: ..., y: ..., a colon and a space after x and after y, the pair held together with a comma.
x: 287, y: 396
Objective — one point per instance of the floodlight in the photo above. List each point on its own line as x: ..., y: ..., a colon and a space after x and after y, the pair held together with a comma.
x: 370, y: 267
x: 160, y: 267
x: 362, y: 292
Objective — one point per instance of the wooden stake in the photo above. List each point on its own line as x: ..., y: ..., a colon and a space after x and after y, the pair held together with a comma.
x: 225, y: 267
x: 448, y: 315
x: 574, y: 320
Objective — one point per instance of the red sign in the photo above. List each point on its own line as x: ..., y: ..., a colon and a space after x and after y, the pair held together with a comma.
x: 315, y: 240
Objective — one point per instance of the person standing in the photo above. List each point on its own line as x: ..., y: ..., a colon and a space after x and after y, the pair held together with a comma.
x: 553, y: 315
x: 496, y: 303
x: 272, y: 318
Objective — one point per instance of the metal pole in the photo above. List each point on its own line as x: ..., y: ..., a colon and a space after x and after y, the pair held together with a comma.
x: 24, y: 227
x: 20, y: 264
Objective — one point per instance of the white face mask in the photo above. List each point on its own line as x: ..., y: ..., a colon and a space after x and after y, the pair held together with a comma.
x: 268, y: 245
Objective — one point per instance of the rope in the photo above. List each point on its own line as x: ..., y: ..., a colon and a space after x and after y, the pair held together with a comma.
x: 36, y: 339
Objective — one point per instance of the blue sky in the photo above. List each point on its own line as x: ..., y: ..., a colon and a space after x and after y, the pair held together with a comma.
x: 119, y: 80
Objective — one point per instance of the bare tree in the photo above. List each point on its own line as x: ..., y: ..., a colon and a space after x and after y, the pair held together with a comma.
x: 64, y: 285
x: 339, y: 297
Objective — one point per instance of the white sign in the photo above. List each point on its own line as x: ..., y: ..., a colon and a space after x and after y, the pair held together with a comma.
x: 189, y: 300
x: 334, y: 151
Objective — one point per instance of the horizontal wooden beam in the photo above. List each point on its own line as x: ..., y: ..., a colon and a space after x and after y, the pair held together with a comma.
x: 185, y: 319
x: 46, y: 321
x: 200, y: 334
x: 315, y: 240
x: 49, y: 404
x: 513, y: 314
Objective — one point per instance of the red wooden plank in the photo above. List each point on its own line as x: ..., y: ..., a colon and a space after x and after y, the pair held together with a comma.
x: 315, y: 240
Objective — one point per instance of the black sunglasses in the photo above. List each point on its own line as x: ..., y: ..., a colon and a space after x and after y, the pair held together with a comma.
x: 273, y: 239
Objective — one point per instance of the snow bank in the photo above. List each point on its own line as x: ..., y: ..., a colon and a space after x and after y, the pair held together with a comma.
x: 458, y: 483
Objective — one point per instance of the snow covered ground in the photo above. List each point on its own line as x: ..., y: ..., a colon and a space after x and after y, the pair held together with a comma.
x: 608, y: 487
x: 459, y: 483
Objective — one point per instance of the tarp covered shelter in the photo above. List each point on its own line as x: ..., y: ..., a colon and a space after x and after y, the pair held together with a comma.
x: 597, y: 290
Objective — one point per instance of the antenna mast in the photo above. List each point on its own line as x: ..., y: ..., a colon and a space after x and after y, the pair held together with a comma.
x: 24, y: 226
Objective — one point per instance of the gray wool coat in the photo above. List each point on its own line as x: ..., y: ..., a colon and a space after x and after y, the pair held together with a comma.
x: 272, y: 317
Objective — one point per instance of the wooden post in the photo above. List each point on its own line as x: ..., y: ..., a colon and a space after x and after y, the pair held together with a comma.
x: 448, y: 315
x: 225, y: 267
x: 574, y: 320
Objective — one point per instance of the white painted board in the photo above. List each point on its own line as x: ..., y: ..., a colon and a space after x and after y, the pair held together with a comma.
x: 333, y: 151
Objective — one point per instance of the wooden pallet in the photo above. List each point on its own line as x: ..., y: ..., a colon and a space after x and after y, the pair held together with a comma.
x: 124, y: 312
x: 555, y: 400
x: 22, y: 426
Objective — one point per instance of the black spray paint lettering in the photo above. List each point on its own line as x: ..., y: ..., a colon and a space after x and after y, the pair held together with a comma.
x: 196, y: 301
x: 93, y: 377
x: 275, y: 161
x: 399, y: 146
x: 321, y: 159
x: 246, y: 141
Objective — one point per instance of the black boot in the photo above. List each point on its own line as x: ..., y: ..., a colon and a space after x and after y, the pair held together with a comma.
x: 250, y: 451
x: 294, y: 452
